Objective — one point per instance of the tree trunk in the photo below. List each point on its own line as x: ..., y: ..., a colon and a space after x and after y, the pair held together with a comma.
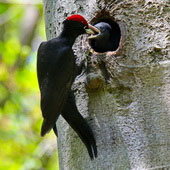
x: 124, y: 95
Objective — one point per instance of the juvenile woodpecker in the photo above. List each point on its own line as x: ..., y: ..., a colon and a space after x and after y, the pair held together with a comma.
x: 102, y: 42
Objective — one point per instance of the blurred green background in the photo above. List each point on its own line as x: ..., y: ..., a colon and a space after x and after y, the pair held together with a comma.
x: 21, y: 147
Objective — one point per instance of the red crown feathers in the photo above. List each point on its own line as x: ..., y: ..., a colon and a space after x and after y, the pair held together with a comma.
x: 78, y: 18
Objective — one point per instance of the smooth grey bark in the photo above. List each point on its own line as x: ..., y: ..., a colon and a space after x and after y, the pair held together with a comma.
x: 129, y: 111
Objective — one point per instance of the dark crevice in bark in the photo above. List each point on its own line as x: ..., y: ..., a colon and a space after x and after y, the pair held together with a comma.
x: 104, y: 71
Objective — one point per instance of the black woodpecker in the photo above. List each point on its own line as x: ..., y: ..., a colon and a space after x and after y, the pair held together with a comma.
x: 56, y: 70
x: 102, y: 42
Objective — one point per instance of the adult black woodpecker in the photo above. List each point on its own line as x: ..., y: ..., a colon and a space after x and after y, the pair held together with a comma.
x: 56, y: 69
x: 106, y: 40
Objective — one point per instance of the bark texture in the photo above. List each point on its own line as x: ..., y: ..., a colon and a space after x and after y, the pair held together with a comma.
x: 124, y: 95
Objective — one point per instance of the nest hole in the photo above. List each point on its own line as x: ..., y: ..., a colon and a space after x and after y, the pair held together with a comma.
x: 115, y: 35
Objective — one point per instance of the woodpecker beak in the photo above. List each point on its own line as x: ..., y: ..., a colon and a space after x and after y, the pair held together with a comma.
x: 89, y: 31
x: 96, y: 32
x: 92, y: 30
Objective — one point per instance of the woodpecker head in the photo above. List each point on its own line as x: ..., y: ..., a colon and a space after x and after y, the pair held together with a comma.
x: 105, y: 31
x: 79, y: 25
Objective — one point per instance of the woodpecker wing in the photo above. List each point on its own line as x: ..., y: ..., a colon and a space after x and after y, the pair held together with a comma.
x: 54, y: 79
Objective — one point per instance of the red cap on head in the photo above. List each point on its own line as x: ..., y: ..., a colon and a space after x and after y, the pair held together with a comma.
x: 78, y: 18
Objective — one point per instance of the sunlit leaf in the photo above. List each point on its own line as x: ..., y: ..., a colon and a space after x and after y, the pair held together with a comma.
x: 4, y: 74
x: 3, y: 92
x: 11, y: 51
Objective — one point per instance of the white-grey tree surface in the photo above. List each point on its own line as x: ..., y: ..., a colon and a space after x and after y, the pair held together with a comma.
x: 124, y: 95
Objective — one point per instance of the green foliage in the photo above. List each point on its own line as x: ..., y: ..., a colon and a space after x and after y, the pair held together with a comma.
x: 21, y: 146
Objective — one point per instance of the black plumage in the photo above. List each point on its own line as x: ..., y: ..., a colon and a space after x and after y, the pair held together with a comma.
x: 107, y: 39
x: 79, y: 124
x: 56, y: 70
